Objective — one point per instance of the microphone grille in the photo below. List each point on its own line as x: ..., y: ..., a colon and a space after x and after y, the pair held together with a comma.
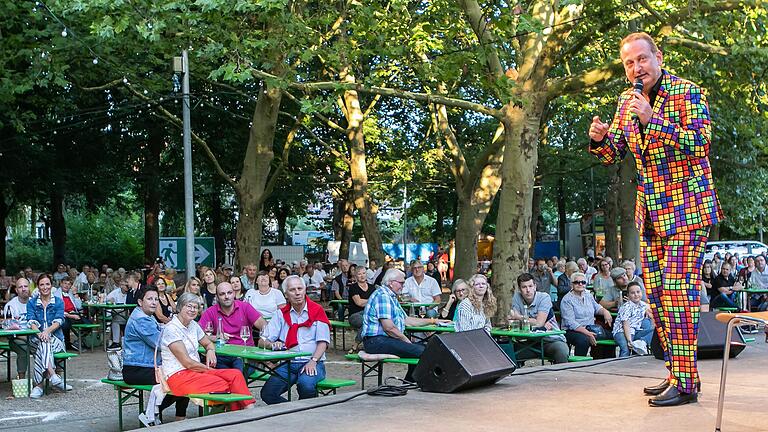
x: 638, y: 85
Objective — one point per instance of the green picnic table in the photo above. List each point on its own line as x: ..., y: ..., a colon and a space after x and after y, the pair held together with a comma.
x: 23, y: 334
x: 532, y: 341
x: 416, y: 331
x: 261, y: 359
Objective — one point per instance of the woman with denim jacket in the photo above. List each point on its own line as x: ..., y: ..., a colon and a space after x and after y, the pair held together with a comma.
x: 142, y: 332
x: 45, y: 312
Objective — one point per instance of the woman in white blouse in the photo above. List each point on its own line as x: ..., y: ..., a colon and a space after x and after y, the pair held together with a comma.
x: 263, y: 297
x: 476, y: 310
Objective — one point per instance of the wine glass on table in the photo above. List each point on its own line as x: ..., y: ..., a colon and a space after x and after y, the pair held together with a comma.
x: 245, y: 334
x: 209, y: 329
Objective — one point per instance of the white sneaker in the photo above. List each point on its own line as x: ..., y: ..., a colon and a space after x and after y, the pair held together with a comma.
x: 145, y: 421
x: 37, y: 392
x: 58, y: 383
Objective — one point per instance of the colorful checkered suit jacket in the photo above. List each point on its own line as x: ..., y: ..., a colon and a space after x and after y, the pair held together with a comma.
x: 674, y: 177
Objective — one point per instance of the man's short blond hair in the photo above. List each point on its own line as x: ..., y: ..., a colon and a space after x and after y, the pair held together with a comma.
x: 640, y: 36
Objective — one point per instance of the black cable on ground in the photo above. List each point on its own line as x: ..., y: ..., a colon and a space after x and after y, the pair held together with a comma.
x: 386, y: 390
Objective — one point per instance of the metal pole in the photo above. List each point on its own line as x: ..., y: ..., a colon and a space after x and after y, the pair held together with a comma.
x: 405, y: 226
x: 189, y: 221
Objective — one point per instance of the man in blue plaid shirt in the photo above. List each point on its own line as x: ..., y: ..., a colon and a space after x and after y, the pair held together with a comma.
x: 384, y: 322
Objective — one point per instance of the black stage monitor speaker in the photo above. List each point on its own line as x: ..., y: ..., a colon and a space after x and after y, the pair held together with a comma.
x: 458, y: 361
x: 711, y: 339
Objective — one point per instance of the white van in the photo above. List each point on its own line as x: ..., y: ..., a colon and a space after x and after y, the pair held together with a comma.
x: 741, y: 247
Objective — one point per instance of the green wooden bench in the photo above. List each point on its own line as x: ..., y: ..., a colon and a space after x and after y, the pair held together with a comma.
x: 5, y: 353
x: 376, y: 367
x: 324, y: 387
x: 575, y: 358
x: 86, y: 329
x: 126, y: 392
x: 343, y: 325
x: 330, y: 385
x: 216, y: 403
x: 60, y: 361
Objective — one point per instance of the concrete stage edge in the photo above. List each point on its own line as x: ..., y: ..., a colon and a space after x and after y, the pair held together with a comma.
x: 593, y: 396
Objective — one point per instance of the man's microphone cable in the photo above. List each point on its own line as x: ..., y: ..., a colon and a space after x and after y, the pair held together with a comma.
x: 391, y: 390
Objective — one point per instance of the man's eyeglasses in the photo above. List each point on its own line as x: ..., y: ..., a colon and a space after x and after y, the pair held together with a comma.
x: 579, y: 282
x: 401, y: 282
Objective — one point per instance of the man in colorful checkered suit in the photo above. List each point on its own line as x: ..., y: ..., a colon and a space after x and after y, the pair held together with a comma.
x: 667, y: 129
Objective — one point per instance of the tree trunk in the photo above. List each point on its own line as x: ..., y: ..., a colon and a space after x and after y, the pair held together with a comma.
x: 347, y: 224
x: 630, y: 239
x: 513, y: 230
x: 359, y: 173
x: 251, y: 188
x: 611, y: 215
x: 217, y: 223
x: 714, y: 233
x: 535, y: 215
x: 6, y: 205
x: 439, y: 232
x: 58, y: 227
x: 469, y: 225
x: 156, y: 133
x: 33, y: 220
x: 282, y: 220
x: 562, y: 218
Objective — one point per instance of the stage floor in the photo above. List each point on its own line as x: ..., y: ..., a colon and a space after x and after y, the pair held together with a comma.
x: 593, y: 396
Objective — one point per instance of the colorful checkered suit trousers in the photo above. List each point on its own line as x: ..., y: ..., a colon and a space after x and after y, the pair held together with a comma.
x: 672, y: 276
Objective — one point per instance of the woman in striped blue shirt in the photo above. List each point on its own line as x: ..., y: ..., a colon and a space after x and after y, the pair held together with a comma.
x: 476, y: 310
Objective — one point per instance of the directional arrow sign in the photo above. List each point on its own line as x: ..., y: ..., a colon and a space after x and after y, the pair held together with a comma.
x: 200, y: 254
x: 174, y: 251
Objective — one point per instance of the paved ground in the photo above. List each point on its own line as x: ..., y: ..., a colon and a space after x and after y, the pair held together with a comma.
x: 597, y: 397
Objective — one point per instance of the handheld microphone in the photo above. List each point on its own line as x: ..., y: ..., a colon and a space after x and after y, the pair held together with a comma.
x: 638, y: 87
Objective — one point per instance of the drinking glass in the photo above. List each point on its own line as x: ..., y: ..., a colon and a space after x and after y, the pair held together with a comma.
x: 209, y: 329
x: 245, y: 334
x: 515, y: 325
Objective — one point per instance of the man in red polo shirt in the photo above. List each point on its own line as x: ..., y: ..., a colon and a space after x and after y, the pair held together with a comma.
x: 234, y: 315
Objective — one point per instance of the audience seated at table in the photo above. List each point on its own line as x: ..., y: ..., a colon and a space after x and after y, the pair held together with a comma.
x: 384, y: 322
x: 633, y: 323
x: 237, y: 286
x: 724, y: 286
x: 192, y: 286
x: 577, y: 312
x: 264, y: 298
x: 235, y: 315
x: 602, y: 281
x: 540, y: 316
x: 16, y: 308
x: 118, y: 296
x: 476, y: 311
x: 615, y: 296
x: 45, y: 312
x: 422, y: 288
x: 459, y: 292
x: 359, y: 293
x: 165, y: 304
x: 142, y: 333
x: 73, y: 311
x: 303, y: 325
x: 564, y: 282
x: 182, y: 369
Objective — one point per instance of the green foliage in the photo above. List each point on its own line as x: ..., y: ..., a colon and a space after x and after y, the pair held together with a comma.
x: 108, y: 236
x: 24, y: 252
